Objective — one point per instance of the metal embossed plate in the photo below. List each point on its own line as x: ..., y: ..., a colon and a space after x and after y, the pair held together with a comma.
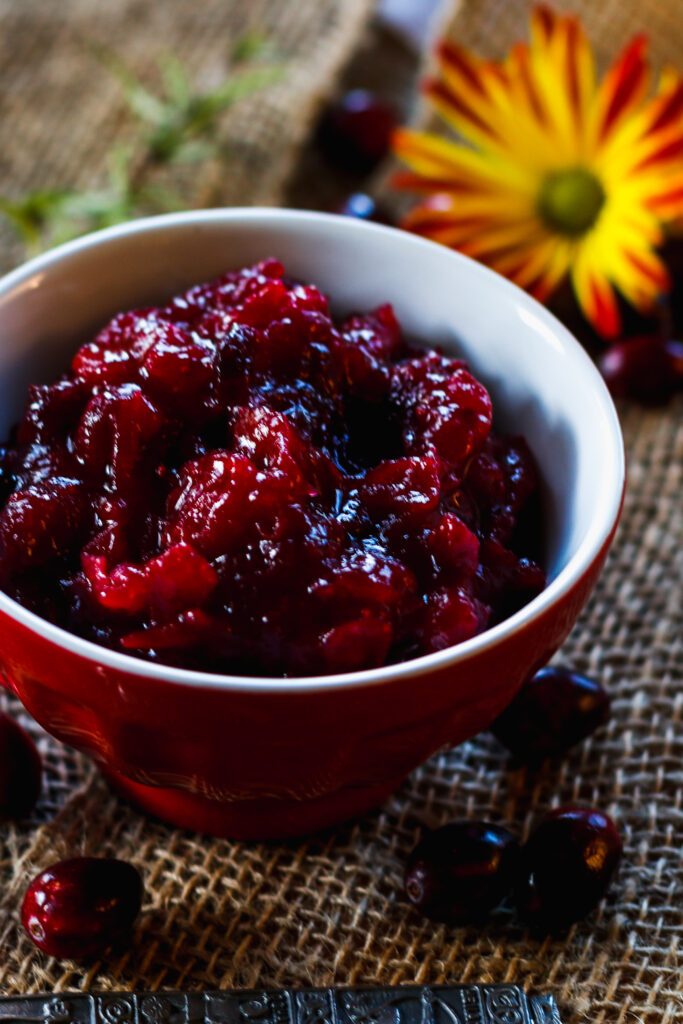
x: 437, y: 1004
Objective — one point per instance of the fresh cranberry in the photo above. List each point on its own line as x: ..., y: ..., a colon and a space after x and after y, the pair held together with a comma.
x: 363, y: 207
x: 648, y: 368
x: 553, y: 711
x: 566, y: 866
x: 459, y: 872
x: 355, y: 132
x: 79, y: 907
x: 20, y: 770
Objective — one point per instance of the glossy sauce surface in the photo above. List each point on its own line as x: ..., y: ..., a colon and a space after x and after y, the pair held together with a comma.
x: 237, y: 482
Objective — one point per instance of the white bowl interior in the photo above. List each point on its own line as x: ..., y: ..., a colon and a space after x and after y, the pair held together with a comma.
x: 542, y: 384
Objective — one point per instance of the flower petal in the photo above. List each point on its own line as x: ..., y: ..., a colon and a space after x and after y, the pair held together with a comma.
x: 459, y: 113
x: 622, y: 89
x: 595, y: 295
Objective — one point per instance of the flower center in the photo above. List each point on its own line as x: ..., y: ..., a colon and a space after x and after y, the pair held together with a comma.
x: 570, y: 201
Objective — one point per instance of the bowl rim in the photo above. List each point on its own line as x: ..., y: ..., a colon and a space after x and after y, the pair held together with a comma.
x: 578, y: 565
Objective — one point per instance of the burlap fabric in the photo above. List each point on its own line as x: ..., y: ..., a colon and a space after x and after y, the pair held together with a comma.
x: 491, y: 26
x: 329, y: 909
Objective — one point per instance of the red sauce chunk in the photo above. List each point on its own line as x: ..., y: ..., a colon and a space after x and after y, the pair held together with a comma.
x: 236, y: 482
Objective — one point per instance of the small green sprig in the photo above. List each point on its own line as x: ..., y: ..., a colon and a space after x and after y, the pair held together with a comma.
x: 178, y: 124
x: 33, y: 215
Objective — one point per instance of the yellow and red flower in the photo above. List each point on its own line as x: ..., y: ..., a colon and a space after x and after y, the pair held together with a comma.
x: 554, y: 173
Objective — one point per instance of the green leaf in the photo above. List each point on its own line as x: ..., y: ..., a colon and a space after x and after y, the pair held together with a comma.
x: 145, y: 104
x: 165, y: 142
x: 141, y: 101
x: 160, y: 199
x: 91, y: 205
x: 35, y: 207
x: 247, y: 47
x: 175, y: 79
x: 194, y: 151
x: 120, y: 161
x: 34, y: 213
x: 240, y: 84
x: 203, y: 110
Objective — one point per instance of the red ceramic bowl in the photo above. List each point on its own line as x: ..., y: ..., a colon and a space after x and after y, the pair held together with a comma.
x: 247, y: 757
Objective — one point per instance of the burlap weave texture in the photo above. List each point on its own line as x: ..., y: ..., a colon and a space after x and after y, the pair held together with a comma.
x: 490, y: 27
x: 328, y: 909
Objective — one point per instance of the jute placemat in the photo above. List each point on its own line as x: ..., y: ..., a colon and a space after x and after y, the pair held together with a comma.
x: 328, y: 909
x: 491, y: 26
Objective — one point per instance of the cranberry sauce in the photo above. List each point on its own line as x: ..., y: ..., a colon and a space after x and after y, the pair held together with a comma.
x: 236, y: 482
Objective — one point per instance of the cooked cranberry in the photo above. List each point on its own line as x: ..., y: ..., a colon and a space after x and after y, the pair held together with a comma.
x: 460, y: 872
x: 179, y: 372
x: 566, y: 866
x: 239, y: 482
x: 40, y: 522
x: 648, y: 368
x: 553, y: 710
x: 408, y: 488
x: 451, y: 616
x: 363, y: 207
x: 448, y: 411
x: 212, y: 507
x: 51, y: 409
x: 362, y: 643
x: 117, y: 425
x: 20, y: 770
x: 79, y: 907
x: 455, y: 547
x: 355, y: 132
x: 176, y: 580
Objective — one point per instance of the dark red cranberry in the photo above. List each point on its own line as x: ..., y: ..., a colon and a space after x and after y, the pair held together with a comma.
x: 355, y: 132
x: 79, y: 907
x: 554, y: 709
x: 363, y: 207
x: 648, y: 368
x: 460, y: 872
x: 41, y: 521
x: 450, y: 616
x: 20, y: 770
x: 566, y: 866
